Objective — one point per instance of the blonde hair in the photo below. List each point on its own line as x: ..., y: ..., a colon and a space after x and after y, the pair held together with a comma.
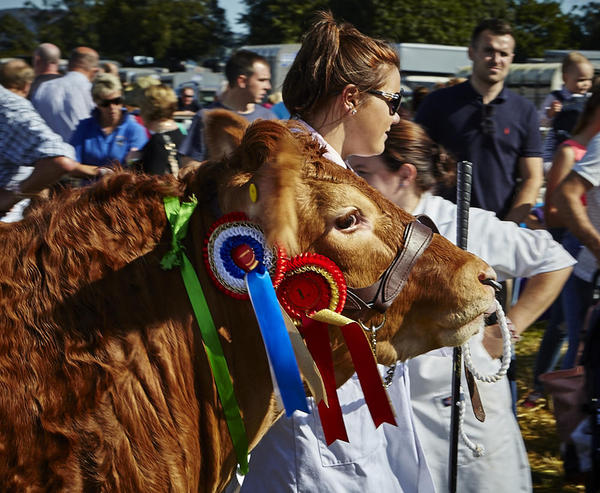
x: 572, y: 59
x: 159, y: 102
x: 104, y: 85
x: 134, y: 94
x: 16, y: 74
x: 331, y: 57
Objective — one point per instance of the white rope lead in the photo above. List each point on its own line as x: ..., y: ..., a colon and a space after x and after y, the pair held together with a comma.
x: 478, y: 449
x: 506, y: 351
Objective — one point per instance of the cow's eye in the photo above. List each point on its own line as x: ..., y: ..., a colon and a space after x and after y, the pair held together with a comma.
x: 347, y: 221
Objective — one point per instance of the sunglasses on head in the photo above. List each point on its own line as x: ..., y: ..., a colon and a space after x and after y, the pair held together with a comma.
x: 105, y: 103
x: 393, y: 99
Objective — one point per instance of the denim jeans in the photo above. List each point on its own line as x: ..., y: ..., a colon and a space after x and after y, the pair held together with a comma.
x: 555, y: 333
x: 577, y: 298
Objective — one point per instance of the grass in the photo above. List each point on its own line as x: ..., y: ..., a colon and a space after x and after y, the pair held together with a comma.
x: 537, y: 425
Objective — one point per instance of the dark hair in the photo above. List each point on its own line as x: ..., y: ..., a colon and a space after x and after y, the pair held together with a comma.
x: 408, y: 142
x: 331, y: 57
x: 241, y: 63
x: 498, y: 27
x: 591, y: 105
x: 418, y: 95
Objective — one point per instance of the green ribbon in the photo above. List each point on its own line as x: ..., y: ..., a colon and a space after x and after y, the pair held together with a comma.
x: 178, y: 216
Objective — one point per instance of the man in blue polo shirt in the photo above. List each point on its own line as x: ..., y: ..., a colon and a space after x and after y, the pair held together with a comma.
x: 497, y: 130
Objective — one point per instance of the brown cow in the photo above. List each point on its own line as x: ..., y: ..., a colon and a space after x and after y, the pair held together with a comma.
x: 104, y: 381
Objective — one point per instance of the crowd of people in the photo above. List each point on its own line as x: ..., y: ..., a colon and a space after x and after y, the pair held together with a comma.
x: 344, y: 88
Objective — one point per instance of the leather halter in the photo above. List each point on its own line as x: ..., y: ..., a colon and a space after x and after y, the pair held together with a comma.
x: 380, y: 295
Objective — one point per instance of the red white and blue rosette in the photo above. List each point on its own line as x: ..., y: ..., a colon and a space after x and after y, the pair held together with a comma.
x: 241, y: 265
x: 227, y: 234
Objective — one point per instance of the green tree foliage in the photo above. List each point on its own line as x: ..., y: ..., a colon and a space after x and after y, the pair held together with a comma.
x: 538, y: 24
x: 178, y: 29
x: 419, y: 21
x: 279, y: 21
x: 15, y: 38
x: 589, y: 25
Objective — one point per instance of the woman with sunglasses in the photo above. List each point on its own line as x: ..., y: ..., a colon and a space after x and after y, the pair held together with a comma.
x: 343, y: 88
x: 111, y: 135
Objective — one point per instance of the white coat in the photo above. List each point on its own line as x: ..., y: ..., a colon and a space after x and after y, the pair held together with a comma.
x: 512, y: 252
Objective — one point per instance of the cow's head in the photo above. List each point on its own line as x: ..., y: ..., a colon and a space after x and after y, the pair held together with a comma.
x: 308, y: 204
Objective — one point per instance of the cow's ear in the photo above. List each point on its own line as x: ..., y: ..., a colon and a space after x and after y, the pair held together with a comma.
x: 278, y: 182
x: 223, y: 133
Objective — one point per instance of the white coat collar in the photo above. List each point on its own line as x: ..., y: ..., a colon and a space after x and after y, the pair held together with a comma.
x: 330, y: 153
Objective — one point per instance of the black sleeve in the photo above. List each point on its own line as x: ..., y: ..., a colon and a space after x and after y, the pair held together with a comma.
x: 154, y: 156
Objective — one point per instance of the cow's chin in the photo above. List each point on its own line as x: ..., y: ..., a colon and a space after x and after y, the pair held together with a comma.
x: 458, y: 337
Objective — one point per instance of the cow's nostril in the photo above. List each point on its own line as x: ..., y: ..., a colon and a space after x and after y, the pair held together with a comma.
x: 490, y: 282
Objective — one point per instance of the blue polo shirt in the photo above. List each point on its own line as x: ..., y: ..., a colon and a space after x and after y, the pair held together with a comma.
x: 93, y: 146
x: 493, y: 137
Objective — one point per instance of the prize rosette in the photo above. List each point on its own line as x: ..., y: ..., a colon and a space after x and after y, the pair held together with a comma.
x: 227, y: 235
x: 311, y: 282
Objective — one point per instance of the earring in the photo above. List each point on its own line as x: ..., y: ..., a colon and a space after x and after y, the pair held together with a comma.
x: 353, y: 112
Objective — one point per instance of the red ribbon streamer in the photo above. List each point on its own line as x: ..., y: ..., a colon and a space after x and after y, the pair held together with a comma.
x: 368, y: 374
x: 316, y: 335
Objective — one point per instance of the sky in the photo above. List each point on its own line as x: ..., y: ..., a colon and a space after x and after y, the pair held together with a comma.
x: 234, y: 8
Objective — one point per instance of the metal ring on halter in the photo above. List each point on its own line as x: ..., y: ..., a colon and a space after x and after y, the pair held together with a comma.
x: 372, y: 329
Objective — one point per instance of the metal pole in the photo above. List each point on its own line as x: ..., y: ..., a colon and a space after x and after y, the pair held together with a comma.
x: 463, y: 202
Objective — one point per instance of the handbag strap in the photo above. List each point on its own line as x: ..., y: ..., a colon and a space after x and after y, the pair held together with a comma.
x: 171, y: 154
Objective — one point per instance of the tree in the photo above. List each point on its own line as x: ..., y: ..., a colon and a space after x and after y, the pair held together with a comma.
x: 588, y: 23
x: 67, y: 23
x: 421, y: 21
x: 278, y: 21
x: 537, y: 24
x: 540, y: 26
x: 178, y: 29
x: 15, y: 38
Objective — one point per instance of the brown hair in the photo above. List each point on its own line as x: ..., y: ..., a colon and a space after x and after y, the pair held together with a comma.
x: 498, y: 27
x: 408, y: 142
x: 242, y: 63
x: 572, y: 59
x: 331, y: 57
x: 591, y: 105
x: 159, y: 102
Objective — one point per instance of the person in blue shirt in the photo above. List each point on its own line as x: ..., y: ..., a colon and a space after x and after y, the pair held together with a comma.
x: 111, y: 136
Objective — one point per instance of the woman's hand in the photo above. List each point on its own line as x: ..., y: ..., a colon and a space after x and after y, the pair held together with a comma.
x: 492, y: 338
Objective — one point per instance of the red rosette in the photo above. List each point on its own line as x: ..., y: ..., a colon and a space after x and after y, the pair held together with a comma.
x: 311, y: 282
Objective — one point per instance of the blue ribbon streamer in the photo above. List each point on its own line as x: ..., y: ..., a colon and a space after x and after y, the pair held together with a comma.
x: 277, y: 342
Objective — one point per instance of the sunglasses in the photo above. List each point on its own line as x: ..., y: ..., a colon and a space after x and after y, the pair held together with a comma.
x: 105, y: 103
x: 393, y: 99
x: 488, y: 125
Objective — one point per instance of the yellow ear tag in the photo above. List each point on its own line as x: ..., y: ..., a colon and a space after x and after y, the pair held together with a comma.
x: 253, y: 192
